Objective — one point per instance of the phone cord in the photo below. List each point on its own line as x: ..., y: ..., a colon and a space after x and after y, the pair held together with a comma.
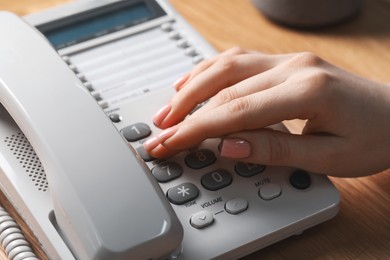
x: 12, y: 239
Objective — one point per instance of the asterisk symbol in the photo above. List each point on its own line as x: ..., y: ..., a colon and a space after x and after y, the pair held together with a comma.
x: 183, y: 190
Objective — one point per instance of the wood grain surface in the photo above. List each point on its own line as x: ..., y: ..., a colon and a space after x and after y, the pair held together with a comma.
x: 361, y: 45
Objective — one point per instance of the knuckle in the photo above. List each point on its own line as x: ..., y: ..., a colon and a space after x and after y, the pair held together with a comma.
x: 319, y: 78
x: 318, y: 86
x: 315, y: 87
x: 226, y: 63
x: 236, y: 50
x: 279, y: 150
x: 203, y: 65
x: 226, y: 95
x: 239, y: 107
x: 306, y: 59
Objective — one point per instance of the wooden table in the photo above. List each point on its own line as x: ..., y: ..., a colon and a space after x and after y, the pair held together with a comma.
x: 362, y: 45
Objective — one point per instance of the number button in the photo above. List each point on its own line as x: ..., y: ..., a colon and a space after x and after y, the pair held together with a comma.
x: 216, y: 180
x: 144, y: 154
x: 136, y: 132
x: 165, y: 172
x: 182, y: 193
x: 248, y: 169
x: 200, y: 158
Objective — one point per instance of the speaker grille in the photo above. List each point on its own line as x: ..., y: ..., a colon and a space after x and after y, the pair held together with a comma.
x: 25, y: 154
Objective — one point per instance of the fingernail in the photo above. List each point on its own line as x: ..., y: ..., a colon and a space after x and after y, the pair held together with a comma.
x: 235, y: 148
x: 151, y: 143
x: 161, y: 114
x: 166, y: 134
x: 178, y: 83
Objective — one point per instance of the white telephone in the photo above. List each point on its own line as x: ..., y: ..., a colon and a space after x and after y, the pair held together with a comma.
x: 79, y: 95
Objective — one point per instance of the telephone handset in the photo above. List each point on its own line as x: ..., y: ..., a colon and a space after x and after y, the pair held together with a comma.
x: 93, y: 174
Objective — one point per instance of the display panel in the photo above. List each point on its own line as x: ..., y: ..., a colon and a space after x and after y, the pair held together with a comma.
x: 86, y: 26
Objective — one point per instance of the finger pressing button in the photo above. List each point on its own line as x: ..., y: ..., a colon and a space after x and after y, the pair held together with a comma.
x: 136, y: 132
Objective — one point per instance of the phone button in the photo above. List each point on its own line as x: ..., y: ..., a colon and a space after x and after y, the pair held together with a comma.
x: 116, y: 118
x: 201, y: 219
x: 144, y: 154
x: 270, y: 191
x: 167, y: 171
x: 237, y: 205
x: 200, y: 158
x: 136, y: 132
x: 182, y: 193
x: 216, y: 180
x: 300, y: 180
x: 248, y: 169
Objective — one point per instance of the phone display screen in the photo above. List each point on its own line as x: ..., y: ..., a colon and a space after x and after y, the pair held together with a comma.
x: 98, y: 22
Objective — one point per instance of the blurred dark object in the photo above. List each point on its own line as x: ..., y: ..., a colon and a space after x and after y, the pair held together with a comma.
x: 309, y: 14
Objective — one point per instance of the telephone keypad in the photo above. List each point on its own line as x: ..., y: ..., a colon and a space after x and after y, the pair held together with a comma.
x: 212, y: 180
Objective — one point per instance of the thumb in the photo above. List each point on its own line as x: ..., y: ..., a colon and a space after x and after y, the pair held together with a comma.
x: 313, y: 153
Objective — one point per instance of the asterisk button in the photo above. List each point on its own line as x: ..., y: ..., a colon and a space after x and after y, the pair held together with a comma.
x: 182, y: 193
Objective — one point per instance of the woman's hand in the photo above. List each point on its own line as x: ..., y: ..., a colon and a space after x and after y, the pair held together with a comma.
x: 348, y: 118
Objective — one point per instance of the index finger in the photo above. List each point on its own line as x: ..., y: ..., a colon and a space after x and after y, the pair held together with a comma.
x: 254, y: 111
x: 223, y: 73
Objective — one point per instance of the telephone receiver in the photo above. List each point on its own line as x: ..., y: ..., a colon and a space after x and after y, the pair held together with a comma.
x: 106, y: 203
